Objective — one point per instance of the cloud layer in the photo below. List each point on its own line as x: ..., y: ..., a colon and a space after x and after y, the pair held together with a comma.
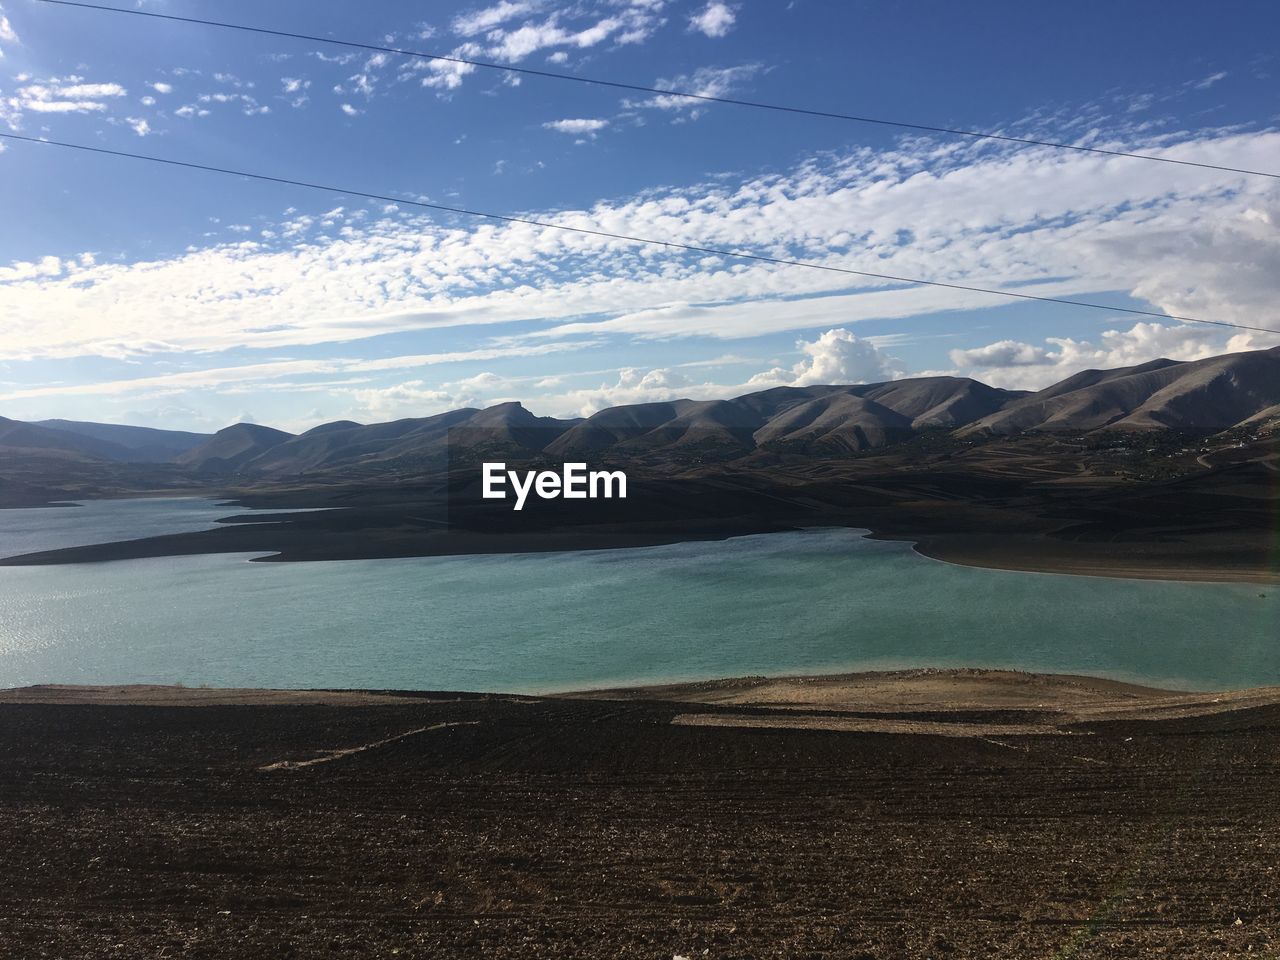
x: 1186, y: 240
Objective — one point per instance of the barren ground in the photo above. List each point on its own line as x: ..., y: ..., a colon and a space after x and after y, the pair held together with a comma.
x: 160, y: 822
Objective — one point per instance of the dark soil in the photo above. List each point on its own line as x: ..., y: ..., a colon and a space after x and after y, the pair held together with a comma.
x: 560, y: 828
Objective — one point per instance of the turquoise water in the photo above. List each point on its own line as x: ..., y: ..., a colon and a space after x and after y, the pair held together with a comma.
x: 820, y: 600
x: 104, y: 521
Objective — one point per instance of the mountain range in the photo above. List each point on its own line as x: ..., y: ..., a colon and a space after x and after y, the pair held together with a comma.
x: 1196, y: 397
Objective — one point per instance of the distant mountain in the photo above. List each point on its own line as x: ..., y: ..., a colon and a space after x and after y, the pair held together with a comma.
x: 614, y: 425
x: 507, y: 428
x: 1195, y: 397
x: 141, y: 444
x: 1203, y: 396
x: 933, y: 402
x: 228, y: 450
x: 31, y: 439
x: 342, y: 444
x: 827, y: 418
x: 332, y: 427
x: 821, y: 420
x: 836, y: 423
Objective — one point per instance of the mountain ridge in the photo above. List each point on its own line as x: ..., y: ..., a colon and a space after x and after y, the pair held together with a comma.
x: 1201, y: 396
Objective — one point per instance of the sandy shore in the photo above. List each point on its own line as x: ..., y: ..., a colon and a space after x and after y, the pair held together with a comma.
x: 1204, y: 560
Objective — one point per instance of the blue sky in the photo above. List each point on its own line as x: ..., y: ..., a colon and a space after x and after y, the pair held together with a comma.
x: 136, y: 293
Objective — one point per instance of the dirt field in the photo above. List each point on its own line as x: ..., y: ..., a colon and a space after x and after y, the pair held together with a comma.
x: 170, y: 823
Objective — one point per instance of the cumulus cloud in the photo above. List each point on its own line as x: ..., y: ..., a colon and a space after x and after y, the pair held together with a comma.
x: 1017, y: 365
x: 837, y: 356
x: 162, y: 87
x: 716, y: 19
x: 632, y: 385
x: 416, y: 398
x: 1003, y: 353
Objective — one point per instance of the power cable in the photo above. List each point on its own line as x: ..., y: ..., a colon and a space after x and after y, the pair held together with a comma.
x: 684, y: 94
x: 669, y: 244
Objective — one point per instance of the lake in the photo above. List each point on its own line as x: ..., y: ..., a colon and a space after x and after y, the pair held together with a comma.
x: 813, y: 601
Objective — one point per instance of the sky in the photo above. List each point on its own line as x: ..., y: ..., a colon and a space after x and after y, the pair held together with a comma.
x: 132, y: 292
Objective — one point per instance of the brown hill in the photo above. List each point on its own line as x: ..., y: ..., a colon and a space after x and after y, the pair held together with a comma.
x: 1200, y: 396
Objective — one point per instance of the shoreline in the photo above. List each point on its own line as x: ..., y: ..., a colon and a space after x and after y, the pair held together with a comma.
x: 814, y: 701
x: 976, y: 557
x: 1042, y: 553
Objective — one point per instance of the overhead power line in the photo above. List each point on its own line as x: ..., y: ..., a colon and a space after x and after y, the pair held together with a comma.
x: 669, y: 244
x: 683, y: 94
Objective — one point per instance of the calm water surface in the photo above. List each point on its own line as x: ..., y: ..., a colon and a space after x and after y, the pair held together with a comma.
x: 821, y: 600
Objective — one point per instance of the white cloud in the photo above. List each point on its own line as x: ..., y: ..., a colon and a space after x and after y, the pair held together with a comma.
x: 147, y: 101
x: 1003, y: 353
x: 349, y: 110
x: 159, y: 87
x: 623, y: 23
x: 715, y: 19
x: 58, y: 95
x: 267, y: 373
x: 446, y: 74
x: 511, y: 31
x: 580, y: 127
x: 837, y: 356
x: 633, y: 385
x: 416, y: 398
x: 76, y: 91
x: 1210, y: 80
x: 248, y: 104
x: 1196, y: 241
x: 294, y: 89
x: 138, y: 125
x: 705, y: 82
x: 63, y: 106
x: 834, y: 357
x: 1017, y: 365
x: 480, y: 21
x: 6, y: 30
